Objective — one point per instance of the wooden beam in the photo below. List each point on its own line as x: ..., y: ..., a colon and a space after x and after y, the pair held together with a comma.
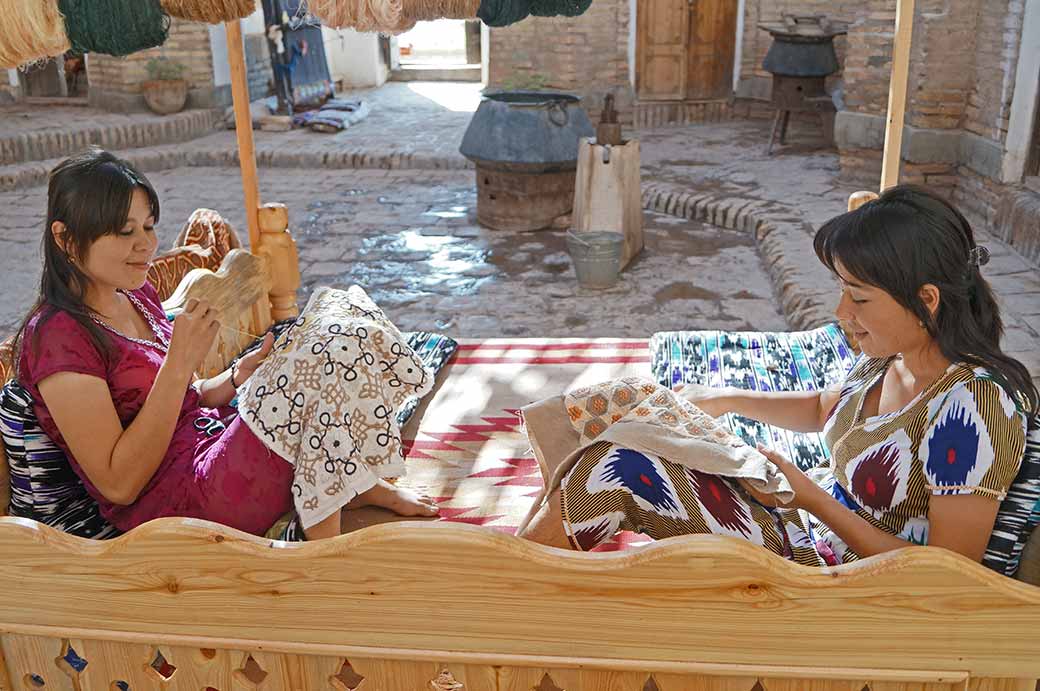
x: 897, y: 93
x: 244, y: 129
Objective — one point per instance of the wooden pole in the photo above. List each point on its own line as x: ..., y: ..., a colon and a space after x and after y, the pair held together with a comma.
x: 244, y: 129
x: 897, y: 93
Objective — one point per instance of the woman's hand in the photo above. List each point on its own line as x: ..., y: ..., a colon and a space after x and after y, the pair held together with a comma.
x: 713, y: 401
x: 194, y: 331
x: 805, y: 490
x: 248, y: 363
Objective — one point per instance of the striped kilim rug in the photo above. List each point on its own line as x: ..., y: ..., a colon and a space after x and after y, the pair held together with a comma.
x: 465, y: 444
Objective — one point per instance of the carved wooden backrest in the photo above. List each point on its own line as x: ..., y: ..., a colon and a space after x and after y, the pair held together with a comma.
x: 239, y: 291
x: 447, y: 607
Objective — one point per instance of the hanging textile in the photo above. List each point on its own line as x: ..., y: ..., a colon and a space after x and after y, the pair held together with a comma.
x: 114, y: 27
x: 30, y: 31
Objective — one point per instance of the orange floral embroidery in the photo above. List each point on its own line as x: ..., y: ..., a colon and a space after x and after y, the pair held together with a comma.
x: 575, y: 412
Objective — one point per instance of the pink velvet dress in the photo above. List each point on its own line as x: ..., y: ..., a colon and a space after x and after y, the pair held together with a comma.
x: 215, y: 467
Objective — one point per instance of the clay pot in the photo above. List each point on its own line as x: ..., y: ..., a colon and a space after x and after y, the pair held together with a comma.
x: 165, y: 96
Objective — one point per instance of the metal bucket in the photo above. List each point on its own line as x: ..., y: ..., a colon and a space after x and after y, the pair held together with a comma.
x: 597, y: 257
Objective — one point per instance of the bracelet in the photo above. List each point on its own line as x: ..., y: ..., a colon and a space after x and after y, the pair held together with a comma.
x: 234, y: 371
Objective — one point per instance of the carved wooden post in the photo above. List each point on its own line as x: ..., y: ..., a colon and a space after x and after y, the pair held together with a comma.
x: 858, y: 199
x: 5, y: 678
x: 278, y: 246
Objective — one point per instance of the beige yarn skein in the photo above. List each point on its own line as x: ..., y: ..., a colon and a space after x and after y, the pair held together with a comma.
x: 30, y: 30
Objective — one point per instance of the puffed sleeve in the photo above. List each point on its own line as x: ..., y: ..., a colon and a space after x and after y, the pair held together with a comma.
x: 974, y: 440
x: 57, y: 344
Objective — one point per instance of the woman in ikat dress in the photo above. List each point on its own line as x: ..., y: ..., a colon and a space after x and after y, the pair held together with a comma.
x: 114, y: 382
x: 926, y: 434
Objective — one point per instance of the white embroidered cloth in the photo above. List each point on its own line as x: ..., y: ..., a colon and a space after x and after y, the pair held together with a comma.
x: 327, y: 396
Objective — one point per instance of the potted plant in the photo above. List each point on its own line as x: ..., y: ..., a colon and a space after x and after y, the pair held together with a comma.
x: 166, y: 91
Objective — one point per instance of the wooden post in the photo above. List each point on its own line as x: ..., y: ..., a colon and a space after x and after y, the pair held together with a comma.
x: 607, y: 193
x: 858, y: 199
x: 244, y: 129
x: 897, y: 93
x: 278, y: 246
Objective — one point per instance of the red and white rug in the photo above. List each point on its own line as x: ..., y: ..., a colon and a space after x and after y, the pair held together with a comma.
x: 466, y: 447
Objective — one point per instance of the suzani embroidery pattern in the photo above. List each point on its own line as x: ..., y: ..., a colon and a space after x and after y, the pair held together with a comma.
x: 327, y: 399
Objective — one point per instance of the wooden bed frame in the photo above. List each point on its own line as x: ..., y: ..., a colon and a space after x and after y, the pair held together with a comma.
x: 447, y: 607
x: 188, y: 605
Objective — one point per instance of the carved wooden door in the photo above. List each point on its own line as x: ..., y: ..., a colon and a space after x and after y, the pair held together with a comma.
x: 685, y: 49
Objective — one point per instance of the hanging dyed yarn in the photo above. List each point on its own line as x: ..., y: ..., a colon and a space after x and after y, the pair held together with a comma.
x: 361, y: 15
x: 30, y: 31
x: 388, y: 16
x: 209, y: 11
x: 556, y: 8
x: 503, y: 12
x: 114, y: 27
x: 429, y: 10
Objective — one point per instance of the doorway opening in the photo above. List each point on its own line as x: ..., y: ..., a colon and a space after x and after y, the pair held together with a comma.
x: 60, y: 80
x: 441, y: 50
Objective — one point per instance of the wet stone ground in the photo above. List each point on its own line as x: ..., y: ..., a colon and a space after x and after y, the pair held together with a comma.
x: 411, y: 239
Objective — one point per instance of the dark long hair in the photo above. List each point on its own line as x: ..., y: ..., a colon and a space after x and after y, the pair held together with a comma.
x: 910, y: 237
x: 91, y: 194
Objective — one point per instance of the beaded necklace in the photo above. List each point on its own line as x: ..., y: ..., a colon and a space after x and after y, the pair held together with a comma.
x: 161, y: 341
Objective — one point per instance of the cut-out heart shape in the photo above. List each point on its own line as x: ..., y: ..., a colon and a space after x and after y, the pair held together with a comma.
x: 651, y: 684
x: 163, y: 668
x: 347, y: 679
x: 547, y: 684
x: 446, y: 681
x: 72, y: 658
x: 252, y: 671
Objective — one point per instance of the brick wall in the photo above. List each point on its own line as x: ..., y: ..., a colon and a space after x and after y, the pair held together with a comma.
x: 942, y: 62
x: 586, y: 55
x: 115, y: 83
x: 999, y: 29
x: 8, y: 92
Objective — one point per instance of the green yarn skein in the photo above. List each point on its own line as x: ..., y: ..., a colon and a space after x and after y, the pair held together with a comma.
x: 114, y: 27
x: 503, y: 12
x: 554, y: 8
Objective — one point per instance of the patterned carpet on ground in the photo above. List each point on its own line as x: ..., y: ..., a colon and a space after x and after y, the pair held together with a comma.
x: 466, y: 447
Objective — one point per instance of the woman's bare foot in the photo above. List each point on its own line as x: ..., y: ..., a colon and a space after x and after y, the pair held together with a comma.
x: 403, y: 502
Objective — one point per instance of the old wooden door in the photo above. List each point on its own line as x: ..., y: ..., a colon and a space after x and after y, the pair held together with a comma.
x: 685, y: 48
x: 663, y: 30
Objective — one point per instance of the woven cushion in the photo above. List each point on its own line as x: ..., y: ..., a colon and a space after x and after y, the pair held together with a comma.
x: 759, y: 361
x: 43, y: 484
x: 1019, y: 512
x: 811, y: 360
x: 434, y: 350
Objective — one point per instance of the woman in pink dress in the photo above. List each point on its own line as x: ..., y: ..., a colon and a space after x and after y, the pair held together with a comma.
x: 115, y: 384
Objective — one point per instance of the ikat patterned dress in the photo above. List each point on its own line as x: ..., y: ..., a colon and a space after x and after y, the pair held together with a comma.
x: 962, y: 435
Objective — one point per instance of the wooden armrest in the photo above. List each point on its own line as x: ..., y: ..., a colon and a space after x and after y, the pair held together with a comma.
x: 239, y: 291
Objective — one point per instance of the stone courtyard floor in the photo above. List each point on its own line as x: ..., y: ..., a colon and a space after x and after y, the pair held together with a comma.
x: 390, y: 205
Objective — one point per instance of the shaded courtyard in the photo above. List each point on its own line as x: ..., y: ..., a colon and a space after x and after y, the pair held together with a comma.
x: 389, y: 204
